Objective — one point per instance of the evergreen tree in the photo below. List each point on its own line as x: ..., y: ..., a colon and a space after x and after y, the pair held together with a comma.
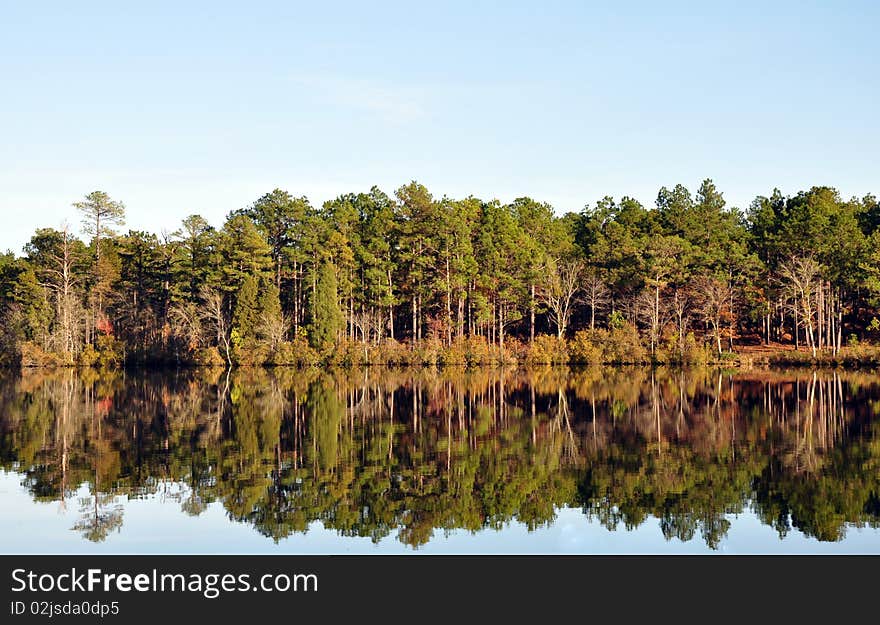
x: 326, y: 319
x: 245, y: 313
x: 99, y: 214
x: 417, y: 223
x: 195, y: 259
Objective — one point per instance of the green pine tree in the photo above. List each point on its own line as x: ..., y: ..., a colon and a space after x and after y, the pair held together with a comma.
x: 326, y: 318
x: 245, y: 315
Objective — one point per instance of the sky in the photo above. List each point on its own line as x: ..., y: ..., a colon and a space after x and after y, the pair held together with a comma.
x: 155, y: 524
x: 179, y: 108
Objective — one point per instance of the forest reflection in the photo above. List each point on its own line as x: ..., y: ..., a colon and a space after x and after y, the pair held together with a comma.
x: 411, y: 452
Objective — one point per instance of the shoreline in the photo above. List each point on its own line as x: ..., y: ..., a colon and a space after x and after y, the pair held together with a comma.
x: 860, y: 358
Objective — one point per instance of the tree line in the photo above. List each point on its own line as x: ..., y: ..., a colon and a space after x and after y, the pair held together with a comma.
x: 411, y: 278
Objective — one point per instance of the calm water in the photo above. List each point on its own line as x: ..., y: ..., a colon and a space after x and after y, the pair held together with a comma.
x: 547, y: 461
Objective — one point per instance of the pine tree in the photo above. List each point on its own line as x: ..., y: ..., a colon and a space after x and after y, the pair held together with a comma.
x: 99, y: 213
x: 245, y: 314
x: 326, y: 318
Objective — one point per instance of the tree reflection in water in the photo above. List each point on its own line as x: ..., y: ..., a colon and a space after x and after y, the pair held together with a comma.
x: 378, y: 451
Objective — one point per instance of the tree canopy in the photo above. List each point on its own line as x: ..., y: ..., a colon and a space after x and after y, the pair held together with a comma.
x: 453, y: 280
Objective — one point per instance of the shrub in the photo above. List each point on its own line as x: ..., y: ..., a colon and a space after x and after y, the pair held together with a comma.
x: 88, y: 357
x: 347, y: 354
x: 514, y: 351
x: 620, y: 345
x: 455, y: 354
x: 862, y: 355
x: 586, y: 347
x: 428, y: 352
x: 250, y: 352
x: 297, y: 353
x: 32, y: 355
x: 547, y: 350
x: 110, y: 352
x: 209, y: 357
x: 691, y: 352
x: 696, y: 353
x: 616, y: 320
x: 623, y: 346
x: 390, y: 352
x: 477, y: 351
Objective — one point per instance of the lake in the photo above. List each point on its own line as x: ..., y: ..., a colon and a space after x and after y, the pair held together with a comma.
x: 595, y: 460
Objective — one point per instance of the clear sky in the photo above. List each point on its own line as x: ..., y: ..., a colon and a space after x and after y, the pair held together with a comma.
x: 183, y: 107
x: 156, y: 524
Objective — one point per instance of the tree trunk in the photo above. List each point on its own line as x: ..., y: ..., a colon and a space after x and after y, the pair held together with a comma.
x: 295, y: 301
x: 501, y: 329
x: 681, y: 333
x: 414, y: 316
x: 460, y: 321
x: 448, y: 323
x: 532, y: 315
x: 820, y: 309
x: 390, y: 307
x: 732, y: 320
x: 655, y: 322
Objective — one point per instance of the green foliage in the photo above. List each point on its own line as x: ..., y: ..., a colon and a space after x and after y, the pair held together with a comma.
x: 249, y: 352
x: 326, y: 318
x: 244, y: 317
x: 209, y: 357
x: 326, y: 411
x: 616, y: 320
x: 110, y: 352
x: 195, y: 255
x: 419, y: 279
x: 245, y: 251
x: 99, y: 213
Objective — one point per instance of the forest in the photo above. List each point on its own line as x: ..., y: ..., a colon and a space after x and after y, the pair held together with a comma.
x: 408, y: 278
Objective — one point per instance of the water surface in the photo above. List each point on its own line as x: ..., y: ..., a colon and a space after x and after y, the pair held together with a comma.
x: 377, y: 461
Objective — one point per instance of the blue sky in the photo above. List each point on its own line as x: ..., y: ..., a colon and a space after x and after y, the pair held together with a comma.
x: 179, y: 108
x: 155, y: 524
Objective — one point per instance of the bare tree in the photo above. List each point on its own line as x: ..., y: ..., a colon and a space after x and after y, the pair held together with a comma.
x: 560, y: 291
x: 651, y: 310
x: 186, y: 324
x: 214, y: 313
x: 59, y: 279
x: 369, y: 323
x: 715, y: 304
x: 274, y: 327
x: 595, y: 294
x: 680, y: 305
x: 801, y: 275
